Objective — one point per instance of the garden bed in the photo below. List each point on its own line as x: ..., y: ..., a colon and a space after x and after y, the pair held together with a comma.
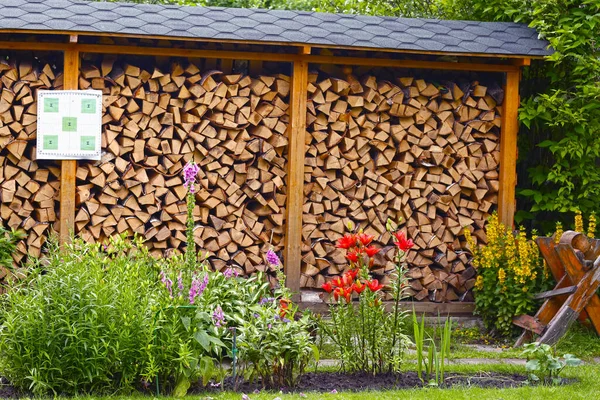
x: 327, y: 382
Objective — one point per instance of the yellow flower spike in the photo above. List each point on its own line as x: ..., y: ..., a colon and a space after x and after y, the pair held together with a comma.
x: 592, y: 226
x: 501, y: 275
x: 558, y: 232
x: 578, y: 221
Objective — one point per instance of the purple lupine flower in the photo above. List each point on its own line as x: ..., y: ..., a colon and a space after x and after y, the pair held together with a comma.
x: 272, y: 258
x: 231, y: 272
x: 269, y: 326
x: 190, y: 171
x: 180, y: 283
x: 218, y: 317
x: 266, y: 300
x: 285, y: 320
x: 256, y: 315
x: 197, y: 287
x: 169, y: 285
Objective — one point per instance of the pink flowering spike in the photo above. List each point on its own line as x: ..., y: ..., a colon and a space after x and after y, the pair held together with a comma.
x: 190, y: 171
x: 272, y: 258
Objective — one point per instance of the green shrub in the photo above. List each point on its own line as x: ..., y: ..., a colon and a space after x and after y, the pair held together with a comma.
x: 193, y: 327
x: 274, y: 346
x: 509, y: 273
x: 82, y: 322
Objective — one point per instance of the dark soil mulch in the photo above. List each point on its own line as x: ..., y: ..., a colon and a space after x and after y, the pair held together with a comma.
x: 8, y: 391
x: 337, y: 381
x: 329, y: 381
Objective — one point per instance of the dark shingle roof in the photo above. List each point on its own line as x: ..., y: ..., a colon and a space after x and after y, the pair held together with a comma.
x: 272, y: 26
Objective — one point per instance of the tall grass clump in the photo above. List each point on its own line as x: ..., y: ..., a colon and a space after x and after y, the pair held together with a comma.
x: 82, y: 319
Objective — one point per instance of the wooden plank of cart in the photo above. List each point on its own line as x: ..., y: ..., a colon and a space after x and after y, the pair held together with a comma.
x: 575, y: 264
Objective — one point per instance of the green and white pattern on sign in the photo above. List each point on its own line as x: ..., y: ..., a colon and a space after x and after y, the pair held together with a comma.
x: 88, y: 142
x: 88, y: 106
x: 51, y: 142
x: 69, y: 124
x: 50, y: 105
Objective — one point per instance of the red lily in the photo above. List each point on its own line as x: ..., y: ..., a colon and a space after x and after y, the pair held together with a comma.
x: 352, y: 256
x: 353, y: 273
x: 364, y: 238
x: 347, y: 280
x: 283, y: 307
x: 337, y: 282
x: 346, y: 242
x: 343, y: 292
x: 371, y: 251
x: 359, y: 287
x: 374, y: 285
x: 327, y: 287
x: 402, y: 243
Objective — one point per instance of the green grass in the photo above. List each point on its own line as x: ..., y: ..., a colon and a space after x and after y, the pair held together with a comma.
x: 588, y: 387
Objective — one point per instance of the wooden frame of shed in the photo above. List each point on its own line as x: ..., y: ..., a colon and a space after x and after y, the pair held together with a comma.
x: 299, y: 55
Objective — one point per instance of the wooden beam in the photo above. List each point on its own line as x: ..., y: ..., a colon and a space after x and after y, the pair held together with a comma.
x: 508, y: 149
x: 33, y: 46
x: 68, y: 168
x: 259, y: 56
x: 295, y: 185
x: 188, y: 53
x: 303, y: 56
x: 386, y: 62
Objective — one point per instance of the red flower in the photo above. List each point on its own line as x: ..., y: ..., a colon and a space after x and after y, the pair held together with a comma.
x: 327, y: 287
x: 364, y: 238
x: 337, y: 282
x: 374, y: 285
x: 346, y: 242
x: 371, y: 250
x: 352, y: 256
x: 283, y: 307
x: 353, y: 273
x: 359, y: 287
x: 402, y: 243
x: 343, y: 292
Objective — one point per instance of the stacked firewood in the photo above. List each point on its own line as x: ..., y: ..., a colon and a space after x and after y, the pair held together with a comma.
x: 421, y: 153
x: 155, y: 121
x: 29, y: 189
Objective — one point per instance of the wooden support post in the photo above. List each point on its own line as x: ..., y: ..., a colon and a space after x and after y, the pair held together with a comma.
x: 508, y: 149
x: 68, y: 168
x: 297, y: 132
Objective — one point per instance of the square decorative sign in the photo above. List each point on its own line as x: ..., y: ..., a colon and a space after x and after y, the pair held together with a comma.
x: 69, y: 124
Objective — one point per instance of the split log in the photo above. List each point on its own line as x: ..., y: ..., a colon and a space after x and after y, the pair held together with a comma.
x: 29, y: 189
x: 234, y: 126
x: 412, y: 151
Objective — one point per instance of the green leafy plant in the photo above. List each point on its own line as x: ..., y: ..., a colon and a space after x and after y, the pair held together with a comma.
x: 8, y: 245
x: 543, y: 365
x: 431, y: 362
x: 509, y: 273
x: 82, y: 322
x: 275, y: 342
x: 193, y: 329
x: 275, y: 346
x: 367, y: 337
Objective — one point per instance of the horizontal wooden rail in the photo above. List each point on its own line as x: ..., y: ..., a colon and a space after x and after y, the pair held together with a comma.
x: 251, y: 56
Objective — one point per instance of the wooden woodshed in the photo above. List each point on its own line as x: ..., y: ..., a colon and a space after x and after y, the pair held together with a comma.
x: 301, y: 123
